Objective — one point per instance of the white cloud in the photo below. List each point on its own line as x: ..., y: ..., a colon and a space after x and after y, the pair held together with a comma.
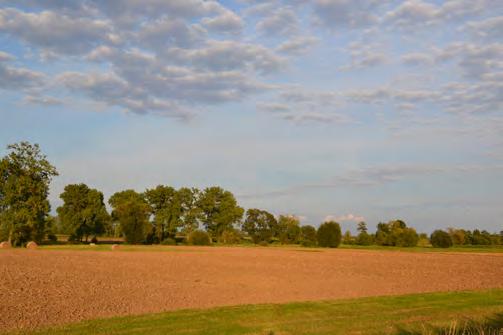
x: 344, y: 218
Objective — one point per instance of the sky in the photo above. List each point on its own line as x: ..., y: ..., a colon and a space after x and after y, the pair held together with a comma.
x: 326, y: 109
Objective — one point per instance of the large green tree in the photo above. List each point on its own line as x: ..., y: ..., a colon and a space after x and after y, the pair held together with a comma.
x: 329, y: 235
x: 259, y: 225
x: 396, y: 233
x: 219, y: 210
x: 25, y: 175
x: 166, y: 208
x: 288, y: 230
x: 132, y: 211
x: 83, y: 212
x: 189, y: 208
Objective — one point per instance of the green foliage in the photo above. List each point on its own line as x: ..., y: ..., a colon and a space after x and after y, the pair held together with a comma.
x: 230, y: 236
x: 362, y: 227
x: 189, y: 208
x: 348, y: 239
x: 288, y: 229
x: 396, y: 233
x: 329, y: 235
x: 169, y: 241
x: 199, y: 237
x: 440, y: 239
x: 308, y: 236
x: 132, y: 211
x: 219, y: 211
x: 166, y: 208
x: 25, y: 175
x: 259, y: 225
x: 83, y: 212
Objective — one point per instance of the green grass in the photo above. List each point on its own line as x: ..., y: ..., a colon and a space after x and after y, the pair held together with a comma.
x: 161, y: 248
x: 471, y: 248
x: 380, y: 315
x: 108, y: 247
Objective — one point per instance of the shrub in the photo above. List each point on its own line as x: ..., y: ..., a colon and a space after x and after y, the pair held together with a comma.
x: 364, y: 238
x: 329, y: 235
x: 263, y: 243
x: 52, y: 238
x: 308, y: 236
x: 230, y: 236
x: 441, y: 239
x: 199, y: 237
x: 94, y: 240
x: 168, y: 241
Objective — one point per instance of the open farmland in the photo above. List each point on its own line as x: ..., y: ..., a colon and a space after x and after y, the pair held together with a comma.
x: 49, y: 287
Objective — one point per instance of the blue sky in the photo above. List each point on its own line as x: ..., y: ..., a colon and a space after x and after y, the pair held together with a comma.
x: 353, y: 110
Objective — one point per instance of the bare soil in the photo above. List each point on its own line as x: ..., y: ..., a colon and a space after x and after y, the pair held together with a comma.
x: 46, y: 287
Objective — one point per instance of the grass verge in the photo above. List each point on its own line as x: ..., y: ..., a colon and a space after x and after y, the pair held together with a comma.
x: 379, y: 315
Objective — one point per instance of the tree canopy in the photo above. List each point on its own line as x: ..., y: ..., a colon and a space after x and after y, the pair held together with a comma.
x: 83, y: 212
x: 25, y: 175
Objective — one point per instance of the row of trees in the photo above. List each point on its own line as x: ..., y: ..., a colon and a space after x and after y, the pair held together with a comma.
x: 163, y: 213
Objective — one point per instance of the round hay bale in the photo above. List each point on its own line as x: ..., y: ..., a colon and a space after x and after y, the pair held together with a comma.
x: 92, y: 244
x: 115, y: 247
x: 5, y: 245
x: 32, y: 245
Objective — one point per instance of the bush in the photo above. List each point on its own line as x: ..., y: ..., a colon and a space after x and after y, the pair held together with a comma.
x: 263, y: 244
x: 329, y: 235
x: 441, y: 239
x: 364, y: 238
x: 168, y: 241
x: 308, y: 236
x: 52, y: 238
x: 199, y: 237
x: 94, y: 240
x: 230, y: 236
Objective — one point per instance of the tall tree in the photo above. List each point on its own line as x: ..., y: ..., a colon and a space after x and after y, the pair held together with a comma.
x: 219, y: 210
x: 259, y: 225
x: 189, y: 209
x: 166, y: 208
x: 83, y: 212
x: 25, y: 175
x: 288, y: 229
x: 132, y: 211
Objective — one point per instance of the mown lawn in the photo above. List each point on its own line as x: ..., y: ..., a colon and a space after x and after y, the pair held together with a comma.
x: 381, y: 315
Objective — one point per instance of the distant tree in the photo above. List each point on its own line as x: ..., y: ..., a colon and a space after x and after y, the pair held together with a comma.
x: 259, y: 225
x: 440, y: 239
x: 219, y: 211
x: 458, y: 236
x: 199, y: 237
x: 308, y: 235
x: 481, y: 237
x: 231, y: 236
x: 166, y: 210
x: 83, y: 212
x: 329, y: 235
x: 363, y: 237
x: 288, y: 230
x: 348, y: 239
x: 132, y: 211
x: 396, y: 233
x: 25, y: 175
x: 362, y: 227
x: 189, y: 208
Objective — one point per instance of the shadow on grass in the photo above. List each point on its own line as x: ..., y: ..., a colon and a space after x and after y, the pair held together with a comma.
x: 489, y: 326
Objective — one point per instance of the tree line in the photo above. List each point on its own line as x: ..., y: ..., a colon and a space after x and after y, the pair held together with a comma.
x: 165, y: 215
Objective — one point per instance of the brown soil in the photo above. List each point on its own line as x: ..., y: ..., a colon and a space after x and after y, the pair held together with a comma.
x: 46, y: 287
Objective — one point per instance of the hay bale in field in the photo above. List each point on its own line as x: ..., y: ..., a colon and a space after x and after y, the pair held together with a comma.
x: 5, y: 245
x: 32, y: 245
x: 115, y: 246
x: 92, y: 244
